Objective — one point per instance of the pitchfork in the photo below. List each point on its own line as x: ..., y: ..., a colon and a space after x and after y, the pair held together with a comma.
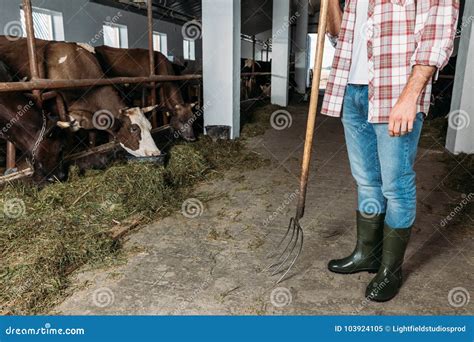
x: 287, y: 259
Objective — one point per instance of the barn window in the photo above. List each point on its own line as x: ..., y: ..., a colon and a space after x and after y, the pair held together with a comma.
x: 189, y: 48
x: 160, y: 42
x: 115, y: 35
x: 266, y: 55
x: 48, y: 24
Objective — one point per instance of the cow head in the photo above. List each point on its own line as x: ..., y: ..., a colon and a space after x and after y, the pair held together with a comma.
x: 182, y: 120
x: 134, y: 134
x: 249, y: 64
x: 266, y: 90
x: 131, y: 128
x: 48, y: 161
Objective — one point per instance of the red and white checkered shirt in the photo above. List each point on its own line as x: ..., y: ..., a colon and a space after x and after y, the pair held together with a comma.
x: 401, y: 34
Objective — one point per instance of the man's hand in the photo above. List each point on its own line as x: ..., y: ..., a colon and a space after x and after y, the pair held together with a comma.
x: 402, y: 117
x: 404, y: 113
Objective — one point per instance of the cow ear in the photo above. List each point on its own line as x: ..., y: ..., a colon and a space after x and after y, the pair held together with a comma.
x: 123, y: 111
x: 149, y: 109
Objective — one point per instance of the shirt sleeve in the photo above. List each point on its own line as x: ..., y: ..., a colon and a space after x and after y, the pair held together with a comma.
x: 437, y: 25
x: 332, y: 39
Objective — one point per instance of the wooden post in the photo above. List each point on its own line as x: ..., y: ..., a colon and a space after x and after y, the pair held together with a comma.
x: 11, y: 156
x: 30, y: 35
x: 252, y: 78
x: 151, y: 55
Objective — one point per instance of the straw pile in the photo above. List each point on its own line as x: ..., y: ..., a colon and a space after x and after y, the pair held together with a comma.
x: 45, y: 235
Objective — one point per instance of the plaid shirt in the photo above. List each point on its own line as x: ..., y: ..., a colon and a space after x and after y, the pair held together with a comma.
x: 401, y: 34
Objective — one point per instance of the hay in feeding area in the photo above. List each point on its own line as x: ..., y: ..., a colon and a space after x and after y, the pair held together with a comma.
x: 47, y: 234
x: 257, y: 120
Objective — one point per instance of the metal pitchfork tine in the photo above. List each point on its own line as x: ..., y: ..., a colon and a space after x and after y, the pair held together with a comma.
x: 287, y: 259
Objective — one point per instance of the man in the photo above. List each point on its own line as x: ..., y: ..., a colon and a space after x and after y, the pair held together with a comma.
x: 388, y: 53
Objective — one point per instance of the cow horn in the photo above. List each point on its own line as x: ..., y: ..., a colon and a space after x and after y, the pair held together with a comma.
x: 149, y: 109
x: 64, y: 124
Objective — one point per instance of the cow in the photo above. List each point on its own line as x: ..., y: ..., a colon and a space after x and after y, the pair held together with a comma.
x: 93, y: 108
x: 190, y: 88
x: 31, y: 131
x: 135, y: 63
x: 255, y: 86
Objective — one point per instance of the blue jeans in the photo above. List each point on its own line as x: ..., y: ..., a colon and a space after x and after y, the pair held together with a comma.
x: 381, y: 165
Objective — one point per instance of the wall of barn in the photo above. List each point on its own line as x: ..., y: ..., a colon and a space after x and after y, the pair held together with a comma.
x: 246, y: 47
x: 83, y: 23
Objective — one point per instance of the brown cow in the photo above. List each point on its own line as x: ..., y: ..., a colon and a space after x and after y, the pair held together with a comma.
x: 135, y: 63
x: 92, y: 108
x: 21, y: 122
x: 256, y: 87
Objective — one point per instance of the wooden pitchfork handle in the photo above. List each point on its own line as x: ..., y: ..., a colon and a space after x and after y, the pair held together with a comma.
x: 313, y: 107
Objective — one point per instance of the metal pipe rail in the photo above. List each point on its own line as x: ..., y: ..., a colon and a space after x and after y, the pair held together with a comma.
x: 44, y: 84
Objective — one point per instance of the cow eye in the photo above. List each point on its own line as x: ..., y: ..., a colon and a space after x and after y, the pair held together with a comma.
x: 134, y: 129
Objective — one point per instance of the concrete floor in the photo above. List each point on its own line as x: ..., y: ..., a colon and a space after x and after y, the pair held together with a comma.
x: 215, y: 263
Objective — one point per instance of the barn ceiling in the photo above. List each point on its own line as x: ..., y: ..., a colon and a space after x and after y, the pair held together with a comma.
x: 256, y: 14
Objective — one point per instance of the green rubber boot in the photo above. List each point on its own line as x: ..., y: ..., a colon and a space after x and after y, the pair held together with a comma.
x: 367, y: 255
x: 388, y: 280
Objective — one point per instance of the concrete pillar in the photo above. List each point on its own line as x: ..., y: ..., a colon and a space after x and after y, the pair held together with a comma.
x: 301, y: 46
x: 221, y: 63
x: 280, y: 51
x: 460, y: 138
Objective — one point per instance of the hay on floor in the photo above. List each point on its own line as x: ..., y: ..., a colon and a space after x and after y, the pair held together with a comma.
x: 47, y: 234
